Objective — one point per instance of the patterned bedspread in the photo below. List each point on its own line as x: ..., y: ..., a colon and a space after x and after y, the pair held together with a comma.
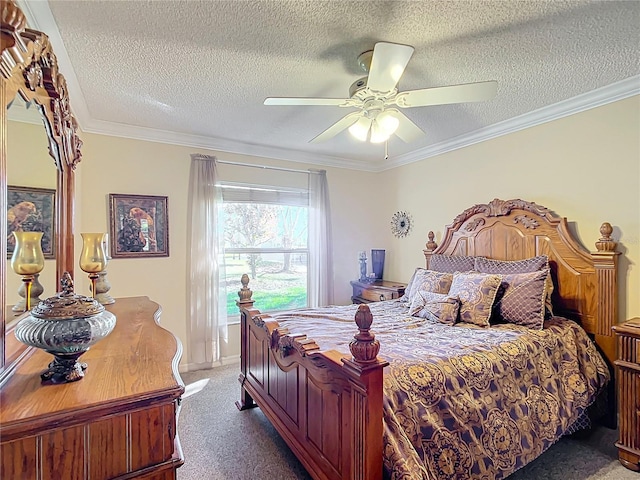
x: 463, y: 401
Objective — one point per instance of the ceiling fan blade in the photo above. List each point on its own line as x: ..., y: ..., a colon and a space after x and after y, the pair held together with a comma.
x: 306, y: 101
x: 407, y: 131
x: 387, y: 65
x: 469, y: 92
x: 342, y: 124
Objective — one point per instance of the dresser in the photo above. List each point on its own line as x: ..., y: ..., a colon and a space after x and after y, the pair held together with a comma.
x: 118, y: 422
x: 378, y: 291
x: 628, y: 380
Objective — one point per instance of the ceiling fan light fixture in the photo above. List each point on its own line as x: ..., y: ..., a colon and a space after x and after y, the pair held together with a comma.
x: 388, y: 122
x: 360, y: 129
x: 378, y: 133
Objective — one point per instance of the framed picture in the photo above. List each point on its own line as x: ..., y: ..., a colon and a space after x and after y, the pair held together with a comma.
x: 31, y: 209
x: 139, y: 226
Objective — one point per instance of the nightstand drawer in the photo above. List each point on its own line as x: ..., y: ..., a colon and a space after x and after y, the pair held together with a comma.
x: 377, y: 295
x: 378, y: 291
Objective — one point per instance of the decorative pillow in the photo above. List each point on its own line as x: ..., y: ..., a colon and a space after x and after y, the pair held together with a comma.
x: 521, y: 299
x: 533, y: 264
x: 435, y: 306
x: 451, y: 263
x: 428, y: 280
x: 489, y: 265
x: 407, y: 289
x: 476, y: 291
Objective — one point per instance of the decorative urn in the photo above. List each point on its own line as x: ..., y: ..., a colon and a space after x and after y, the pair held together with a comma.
x: 65, y: 325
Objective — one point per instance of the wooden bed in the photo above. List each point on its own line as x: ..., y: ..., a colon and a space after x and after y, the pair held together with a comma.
x: 328, y: 405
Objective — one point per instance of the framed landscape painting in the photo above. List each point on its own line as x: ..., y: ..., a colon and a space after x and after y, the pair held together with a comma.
x: 31, y: 209
x: 139, y: 226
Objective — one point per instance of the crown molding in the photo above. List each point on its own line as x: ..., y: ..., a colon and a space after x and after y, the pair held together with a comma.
x: 219, y: 144
x: 580, y: 103
x: 39, y: 17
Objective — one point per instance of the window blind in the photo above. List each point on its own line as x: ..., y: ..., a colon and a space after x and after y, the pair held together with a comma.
x: 236, y: 193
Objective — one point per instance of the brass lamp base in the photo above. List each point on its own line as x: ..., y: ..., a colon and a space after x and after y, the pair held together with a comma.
x: 102, y: 288
x: 65, y: 368
x: 36, y: 290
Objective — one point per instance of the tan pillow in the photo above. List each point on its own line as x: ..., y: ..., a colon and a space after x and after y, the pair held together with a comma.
x: 477, y: 292
x: 435, y: 306
x: 428, y: 280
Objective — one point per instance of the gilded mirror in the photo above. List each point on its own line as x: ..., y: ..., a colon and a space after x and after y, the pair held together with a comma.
x: 29, y: 71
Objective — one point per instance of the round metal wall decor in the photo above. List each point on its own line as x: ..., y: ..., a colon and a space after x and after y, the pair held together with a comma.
x: 400, y: 224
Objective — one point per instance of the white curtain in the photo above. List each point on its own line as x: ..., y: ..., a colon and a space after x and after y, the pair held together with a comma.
x: 320, y: 291
x: 207, y: 308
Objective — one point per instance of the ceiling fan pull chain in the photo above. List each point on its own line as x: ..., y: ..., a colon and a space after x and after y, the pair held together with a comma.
x: 386, y: 150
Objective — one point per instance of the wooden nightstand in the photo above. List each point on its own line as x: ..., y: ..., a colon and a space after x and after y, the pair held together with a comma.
x: 628, y: 379
x: 377, y: 291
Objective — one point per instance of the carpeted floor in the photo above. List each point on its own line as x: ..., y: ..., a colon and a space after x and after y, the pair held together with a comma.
x: 222, y: 443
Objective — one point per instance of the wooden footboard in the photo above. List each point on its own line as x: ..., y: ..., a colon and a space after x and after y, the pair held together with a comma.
x: 326, y: 405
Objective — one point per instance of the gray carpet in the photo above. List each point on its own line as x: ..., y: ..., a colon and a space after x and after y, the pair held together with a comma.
x: 222, y: 443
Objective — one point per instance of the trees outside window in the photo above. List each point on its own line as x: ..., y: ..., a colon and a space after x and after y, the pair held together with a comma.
x: 269, y: 242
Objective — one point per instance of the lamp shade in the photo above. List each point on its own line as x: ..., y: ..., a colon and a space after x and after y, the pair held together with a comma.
x: 27, y: 257
x: 360, y: 129
x: 387, y: 122
x: 377, y: 128
x: 93, y: 258
x: 378, y: 135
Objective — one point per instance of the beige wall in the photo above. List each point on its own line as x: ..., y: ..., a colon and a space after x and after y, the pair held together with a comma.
x: 585, y: 167
x: 117, y: 165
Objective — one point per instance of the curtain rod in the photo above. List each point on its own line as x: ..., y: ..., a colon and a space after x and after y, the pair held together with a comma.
x: 265, y: 167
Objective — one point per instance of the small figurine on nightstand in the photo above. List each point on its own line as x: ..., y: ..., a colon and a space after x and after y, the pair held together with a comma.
x: 362, y: 258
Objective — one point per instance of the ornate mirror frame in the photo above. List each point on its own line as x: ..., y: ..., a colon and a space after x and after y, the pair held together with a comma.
x: 29, y: 68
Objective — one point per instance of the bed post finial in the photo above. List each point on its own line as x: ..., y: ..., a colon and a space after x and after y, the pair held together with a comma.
x: 245, y: 293
x: 431, y: 244
x: 364, y: 346
x: 606, y: 243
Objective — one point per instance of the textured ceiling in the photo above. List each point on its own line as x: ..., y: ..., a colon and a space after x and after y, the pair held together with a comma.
x: 197, y: 72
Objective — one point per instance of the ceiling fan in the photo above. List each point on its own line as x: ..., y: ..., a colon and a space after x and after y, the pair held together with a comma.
x: 376, y: 98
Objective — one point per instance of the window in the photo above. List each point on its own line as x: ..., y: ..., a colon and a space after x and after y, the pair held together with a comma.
x: 266, y: 236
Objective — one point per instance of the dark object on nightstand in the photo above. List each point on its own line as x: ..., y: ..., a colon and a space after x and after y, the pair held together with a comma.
x: 628, y: 382
x: 377, y: 291
x: 377, y: 263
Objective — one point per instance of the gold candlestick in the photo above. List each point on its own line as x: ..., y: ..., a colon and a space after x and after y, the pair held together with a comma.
x: 93, y: 258
x: 27, y: 260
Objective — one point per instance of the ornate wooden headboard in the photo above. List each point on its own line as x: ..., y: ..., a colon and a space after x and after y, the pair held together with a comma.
x: 585, y: 283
